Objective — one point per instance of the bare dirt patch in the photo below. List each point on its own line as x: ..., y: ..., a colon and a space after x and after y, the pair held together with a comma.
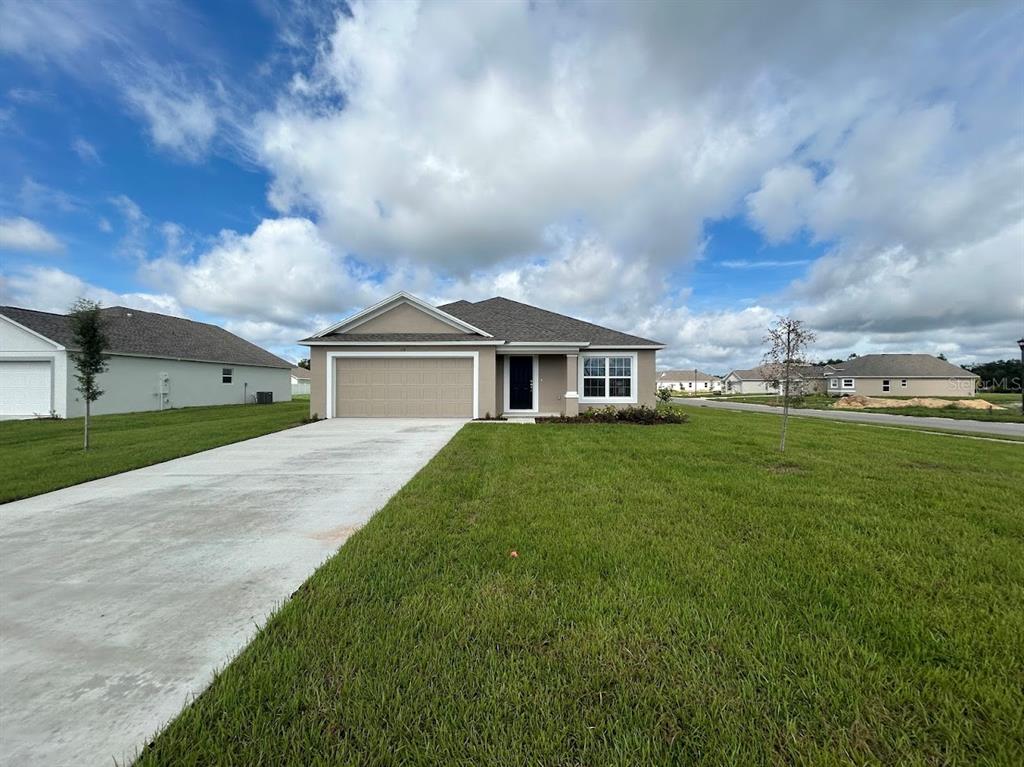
x: 860, y: 402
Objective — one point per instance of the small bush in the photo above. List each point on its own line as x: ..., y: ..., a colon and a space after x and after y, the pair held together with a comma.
x: 643, y: 415
x: 664, y: 394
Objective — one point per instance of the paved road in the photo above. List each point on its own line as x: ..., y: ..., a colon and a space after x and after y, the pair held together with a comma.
x: 987, y: 428
x: 120, y: 597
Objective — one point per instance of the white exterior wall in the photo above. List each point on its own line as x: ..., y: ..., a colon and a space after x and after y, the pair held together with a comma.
x: 131, y: 384
x: 299, y: 386
x: 21, y: 344
x: 687, y: 386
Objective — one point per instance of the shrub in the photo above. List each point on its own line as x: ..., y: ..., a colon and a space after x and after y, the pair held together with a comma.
x: 664, y: 394
x: 646, y: 416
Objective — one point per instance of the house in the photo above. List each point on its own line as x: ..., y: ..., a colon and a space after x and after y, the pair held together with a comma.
x: 156, y: 362
x: 901, y: 375
x: 404, y: 357
x: 805, y: 379
x: 688, y: 381
x: 300, y: 381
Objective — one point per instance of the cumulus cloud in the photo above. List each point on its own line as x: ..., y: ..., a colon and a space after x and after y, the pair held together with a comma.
x: 53, y: 290
x: 24, y: 234
x: 182, y: 122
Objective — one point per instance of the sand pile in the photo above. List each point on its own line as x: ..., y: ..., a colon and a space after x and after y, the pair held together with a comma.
x: 859, y: 402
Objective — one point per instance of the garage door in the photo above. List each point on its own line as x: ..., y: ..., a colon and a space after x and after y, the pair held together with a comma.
x: 404, y: 387
x: 24, y: 388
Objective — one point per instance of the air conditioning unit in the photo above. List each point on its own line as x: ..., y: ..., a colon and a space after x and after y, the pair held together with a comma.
x: 264, y: 398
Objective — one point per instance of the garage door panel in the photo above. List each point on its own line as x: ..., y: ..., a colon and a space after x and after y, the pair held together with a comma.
x: 25, y: 387
x: 404, y: 387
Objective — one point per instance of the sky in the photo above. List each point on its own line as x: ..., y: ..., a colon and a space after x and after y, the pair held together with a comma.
x: 686, y: 171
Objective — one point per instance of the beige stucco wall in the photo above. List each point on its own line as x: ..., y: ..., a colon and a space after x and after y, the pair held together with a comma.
x: 916, y: 387
x: 499, y: 384
x: 404, y: 318
x: 318, y: 371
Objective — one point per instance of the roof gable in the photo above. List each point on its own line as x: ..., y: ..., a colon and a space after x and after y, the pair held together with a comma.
x: 380, y: 319
x: 901, y: 366
x: 147, y: 334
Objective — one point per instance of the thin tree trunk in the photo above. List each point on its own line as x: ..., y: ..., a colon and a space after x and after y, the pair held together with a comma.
x: 785, y: 396
x: 86, y: 445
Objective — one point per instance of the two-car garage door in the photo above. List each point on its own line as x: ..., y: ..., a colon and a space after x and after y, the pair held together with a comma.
x: 409, y: 387
x: 25, y: 388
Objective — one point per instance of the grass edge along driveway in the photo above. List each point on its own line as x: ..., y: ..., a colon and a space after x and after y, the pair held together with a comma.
x: 37, y: 456
x: 681, y: 594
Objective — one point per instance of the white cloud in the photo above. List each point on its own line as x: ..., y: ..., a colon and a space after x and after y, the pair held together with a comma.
x: 86, y: 151
x: 53, y: 290
x: 24, y: 234
x: 178, y: 120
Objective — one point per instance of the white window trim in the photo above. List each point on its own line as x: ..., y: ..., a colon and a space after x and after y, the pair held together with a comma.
x: 853, y: 383
x: 904, y: 383
x: 630, y: 400
x: 833, y: 383
x: 224, y: 375
x: 332, y: 357
x: 536, y: 385
x: 886, y: 384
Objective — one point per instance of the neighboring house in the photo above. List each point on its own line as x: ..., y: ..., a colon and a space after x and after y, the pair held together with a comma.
x: 300, y: 381
x: 901, y: 375
x: 806, y: 379
x: 404, y: 357
x: 156, y: 362
x: 688, y: 381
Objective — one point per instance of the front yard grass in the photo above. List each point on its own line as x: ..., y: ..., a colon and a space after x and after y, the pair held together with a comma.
x: 682, y: 594
x: 1011, y: 414
x: 44, y: 455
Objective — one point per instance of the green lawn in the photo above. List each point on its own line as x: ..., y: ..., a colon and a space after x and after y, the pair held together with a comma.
x: 39, y: 456
x: 683, y: 594
x: 1011, y: 402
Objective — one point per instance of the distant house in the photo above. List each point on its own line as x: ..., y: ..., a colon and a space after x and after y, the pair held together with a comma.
x: 300, y: 381
x: 156, y: 362
x: 806, y: 379
x: 906, y: 375
x: 688, y: 381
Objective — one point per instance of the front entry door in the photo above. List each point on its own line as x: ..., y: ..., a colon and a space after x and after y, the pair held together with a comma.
x: 520, y: 383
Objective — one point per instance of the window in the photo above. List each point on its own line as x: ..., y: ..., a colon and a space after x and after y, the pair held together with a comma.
x: 903, y: 383
x: 226, y: 374
x: 885, y: 384
x: 833, y: 383
x: 608, y: 378
x: 847, y: 383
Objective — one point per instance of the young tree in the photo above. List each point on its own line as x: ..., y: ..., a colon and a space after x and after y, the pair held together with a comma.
x: 90, y: 361
x: 787, y: 341
x: 303, y: 363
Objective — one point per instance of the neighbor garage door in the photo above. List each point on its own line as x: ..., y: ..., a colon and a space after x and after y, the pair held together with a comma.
x: 427, y: 387
x: 24, y: 388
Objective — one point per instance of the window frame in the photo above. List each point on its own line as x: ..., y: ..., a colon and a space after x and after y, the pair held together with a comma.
x: 227, y: 376
x: 886, y: 384
x: 904, y: 383
x: 852, y: 384
x: 606, y: 399
x: 833, y: 383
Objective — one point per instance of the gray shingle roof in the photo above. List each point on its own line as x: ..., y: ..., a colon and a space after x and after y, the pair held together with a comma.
x: 509, y: 320
x: 801, y: 371
x: 301, y: 373
x: 901, y: 366
x: 147, y: 334
x: 347, y: 338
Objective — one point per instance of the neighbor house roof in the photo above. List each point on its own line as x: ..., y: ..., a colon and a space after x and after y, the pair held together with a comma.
x: 901, y: 366
x: 800, y: 371
x: 510, y: 320
x: 301, y: 373
x: 147, y: 334
x: 685, y: 375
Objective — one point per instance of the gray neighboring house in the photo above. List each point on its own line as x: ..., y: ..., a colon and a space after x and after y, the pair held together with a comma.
x: 688, y: 381
x: 901, y: 375
x: 403, y: 357
x: 806, y: 379
x: 156, y: 362
x: 300, y: 381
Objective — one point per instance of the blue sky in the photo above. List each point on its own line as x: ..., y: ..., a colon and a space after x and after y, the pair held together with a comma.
x: 668, y: 169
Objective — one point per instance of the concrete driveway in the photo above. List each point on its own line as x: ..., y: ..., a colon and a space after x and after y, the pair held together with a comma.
x: 937, y: 423
x: 120, y: 597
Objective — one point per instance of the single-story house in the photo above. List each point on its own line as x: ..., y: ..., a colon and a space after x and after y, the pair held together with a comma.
x: 404, y: 357
x: 688, y: 381
x: 901, y: 375
x: 806, y: 379
x: 300, y: 381
x: 155, y: 362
